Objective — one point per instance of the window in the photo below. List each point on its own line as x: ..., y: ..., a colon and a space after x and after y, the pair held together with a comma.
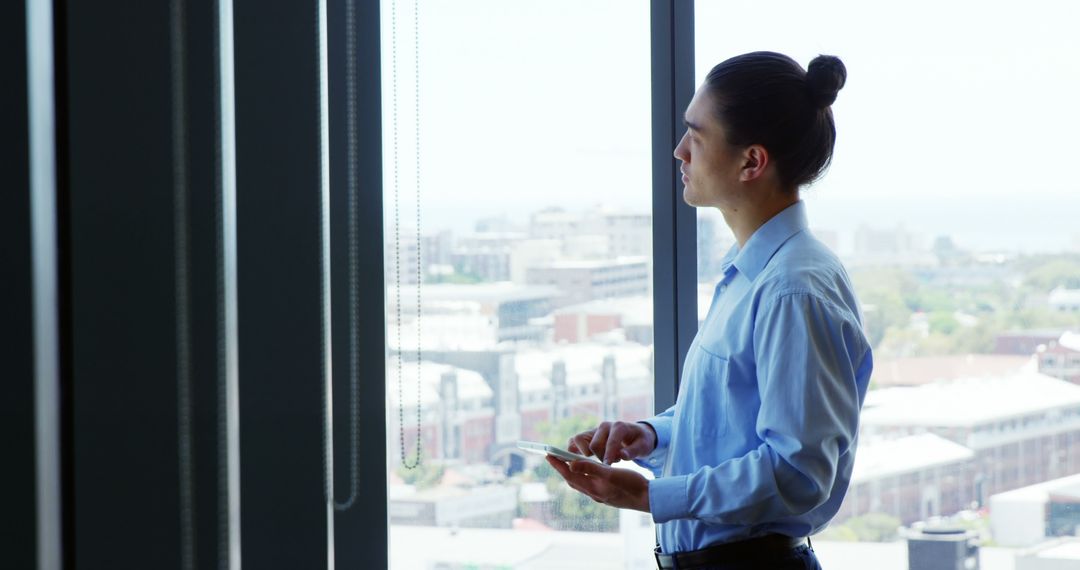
x: 526, y: 135
x: 946, y: 255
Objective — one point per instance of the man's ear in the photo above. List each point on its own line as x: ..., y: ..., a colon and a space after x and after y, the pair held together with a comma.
x: 755, y: 159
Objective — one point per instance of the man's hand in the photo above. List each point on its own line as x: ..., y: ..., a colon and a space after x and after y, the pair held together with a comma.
x: 619, y: 488
x: 615, y: 441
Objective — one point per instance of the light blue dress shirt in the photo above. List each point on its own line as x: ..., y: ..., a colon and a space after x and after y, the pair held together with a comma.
x: 761, y: 438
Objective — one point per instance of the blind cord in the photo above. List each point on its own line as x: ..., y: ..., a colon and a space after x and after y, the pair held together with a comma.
x: 397, y: 236
x: 354, y: 303
x: 182, y: 299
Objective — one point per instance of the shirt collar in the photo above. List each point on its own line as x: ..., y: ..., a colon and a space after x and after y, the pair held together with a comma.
x: 764, y: 242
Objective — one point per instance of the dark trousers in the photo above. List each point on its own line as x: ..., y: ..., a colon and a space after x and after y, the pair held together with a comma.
x: 771, y: 552
x: 800, y: 558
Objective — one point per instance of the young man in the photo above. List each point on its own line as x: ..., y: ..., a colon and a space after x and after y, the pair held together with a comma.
x: 757, y: 452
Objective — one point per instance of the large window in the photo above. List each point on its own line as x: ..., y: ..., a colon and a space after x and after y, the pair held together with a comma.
x: 253, y: 248
x: 518, y: 251
x: 952, y: 203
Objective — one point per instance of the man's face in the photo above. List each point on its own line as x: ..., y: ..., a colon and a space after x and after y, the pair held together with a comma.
x: 710, y: 166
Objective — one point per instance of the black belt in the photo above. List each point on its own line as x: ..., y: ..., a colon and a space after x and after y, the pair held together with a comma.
x: 729, y: 551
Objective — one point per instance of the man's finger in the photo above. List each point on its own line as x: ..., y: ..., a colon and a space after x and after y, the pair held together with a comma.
x: 621, y: 434
x: 599, y: 440
x: 572, y: 443
x: 580, y: 443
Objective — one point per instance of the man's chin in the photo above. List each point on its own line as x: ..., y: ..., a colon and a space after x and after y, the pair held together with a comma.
x: 689, y: 197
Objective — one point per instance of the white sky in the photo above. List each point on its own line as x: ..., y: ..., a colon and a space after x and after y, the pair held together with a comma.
x: 958, y: 117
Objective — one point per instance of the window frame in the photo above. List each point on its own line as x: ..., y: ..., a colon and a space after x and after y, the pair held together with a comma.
x: 674, y: 232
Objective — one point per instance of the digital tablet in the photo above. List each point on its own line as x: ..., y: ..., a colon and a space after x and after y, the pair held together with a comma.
x: 545, y: 449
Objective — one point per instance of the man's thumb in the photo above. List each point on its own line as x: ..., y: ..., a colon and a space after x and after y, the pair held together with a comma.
x: 586, y: 467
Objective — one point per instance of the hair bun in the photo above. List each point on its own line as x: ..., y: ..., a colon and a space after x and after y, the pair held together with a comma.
x: 824, y: 78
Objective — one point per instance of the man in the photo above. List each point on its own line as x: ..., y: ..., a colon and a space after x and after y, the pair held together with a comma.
x: 757, y: 452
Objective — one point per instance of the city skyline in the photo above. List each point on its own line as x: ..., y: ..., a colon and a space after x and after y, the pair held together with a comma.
x: 927, y: 135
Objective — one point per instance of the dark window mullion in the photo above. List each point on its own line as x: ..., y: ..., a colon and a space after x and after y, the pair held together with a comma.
x: 361, y: 529
x: 674, y: 222
x: 279, y: 263
x: 18, y: 528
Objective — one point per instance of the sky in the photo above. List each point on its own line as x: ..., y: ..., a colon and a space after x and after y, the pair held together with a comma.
x: 958, y: 118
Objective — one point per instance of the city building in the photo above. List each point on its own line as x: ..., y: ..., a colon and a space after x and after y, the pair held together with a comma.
x: 532, y: 253
x: 533, y: 386
x: 587, y: 379
x: 630, y: 316
x: 629, y: 233
x: 586, y: 280
x: 911, y: 477
x: 456, y: 415
x: 485, y: 255
x: 892, y: 247
x: 1064, y: 300
x: 919, y: 370
x: 448, y: 505
x: 459, y: 549
x: 469, y: 317
x: 1023, y: 428
x: 714, y: 239
x: 1025, y: 342
x: 1029, y: 515
x: 415, y: 258
x: 1060, y: 358
x: 1061, y: 554
x: 607, y: 232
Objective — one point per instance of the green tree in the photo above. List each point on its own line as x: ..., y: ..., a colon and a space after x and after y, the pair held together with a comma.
x: 1057, y: 272
x: 874, y: 527
x: 423, y: 476
x: 571, y: 509
x: 943, y: 322
x: 575, y: 511
x: 885, y: 295
x: 558, y: 433
x: 838, y: 533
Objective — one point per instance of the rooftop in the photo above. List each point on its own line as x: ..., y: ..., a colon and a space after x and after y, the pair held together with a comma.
x: 967, y: 402
x: 1070, y: 340
x: 877, y: 458
x: 914, y: 371
x: 498, y: 292
x: 1061, y: 549
x: 1041, y: 492
x: 584, y: 365
x: 595, y: 263
x: 471, y: 385
x: 1063, y: 296
x: 634, y: 310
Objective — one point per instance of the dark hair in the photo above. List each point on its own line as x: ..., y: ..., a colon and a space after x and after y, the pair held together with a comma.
x: 766, y: 98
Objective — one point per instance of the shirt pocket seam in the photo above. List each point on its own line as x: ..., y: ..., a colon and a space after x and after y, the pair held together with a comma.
x: 721, y: 427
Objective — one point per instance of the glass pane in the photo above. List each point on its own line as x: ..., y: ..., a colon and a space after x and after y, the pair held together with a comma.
x: 519, y: 293
x: 952, y: 202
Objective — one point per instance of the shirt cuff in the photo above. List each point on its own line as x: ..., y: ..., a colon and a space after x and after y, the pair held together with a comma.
x: 654, y: 461
x: 662, y: 426
x: 668, y: 498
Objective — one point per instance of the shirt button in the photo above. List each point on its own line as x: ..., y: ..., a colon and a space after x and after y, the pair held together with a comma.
x: 723, y: 288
